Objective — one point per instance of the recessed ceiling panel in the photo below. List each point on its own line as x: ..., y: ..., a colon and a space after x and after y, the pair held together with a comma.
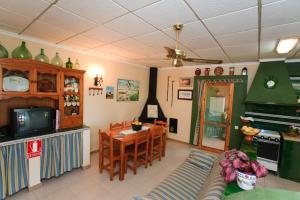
x: 233, y: 22
x: 247, y: 52
x: 280, y: 31
x: 212, y: 8
x: 200, y: 43
x: 95, y: 10
x: 104, y: 34
x: 156, y: 39
x: 47, y: 32
x: 281, y: 12
x: 28, y: 8
x: 135, y: 4
x: 66, y: 20
x: 11, y: 21
x: 213, y: 53
x: 165, y: 13
x: 81, y: 42
x: 130, y: 25
x: 238, y: 38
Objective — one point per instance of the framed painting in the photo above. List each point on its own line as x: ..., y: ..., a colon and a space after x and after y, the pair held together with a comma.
x: 109, y: 92
x: 185, y: 94
x: 185, y: 82
x: 128, y: 90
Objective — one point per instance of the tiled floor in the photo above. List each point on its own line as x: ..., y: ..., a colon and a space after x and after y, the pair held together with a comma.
x: 90, y: 185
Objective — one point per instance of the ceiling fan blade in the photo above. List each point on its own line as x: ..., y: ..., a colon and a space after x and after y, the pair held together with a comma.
x: 200, y: 60
x: 171, y: 52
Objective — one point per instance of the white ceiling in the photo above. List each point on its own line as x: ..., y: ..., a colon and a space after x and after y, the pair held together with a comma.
x: 137, y: 30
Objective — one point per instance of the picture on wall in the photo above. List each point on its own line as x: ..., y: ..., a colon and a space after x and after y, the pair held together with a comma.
x: 128, y: 90
x: 109, y: 92
x: 185, y: 82
x: 185, y: 94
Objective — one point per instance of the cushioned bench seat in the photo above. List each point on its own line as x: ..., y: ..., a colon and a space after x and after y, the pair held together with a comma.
x: 184, y: 183
x: 197, y: 178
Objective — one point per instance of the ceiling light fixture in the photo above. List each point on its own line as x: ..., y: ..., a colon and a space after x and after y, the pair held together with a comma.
x: 286, y: 45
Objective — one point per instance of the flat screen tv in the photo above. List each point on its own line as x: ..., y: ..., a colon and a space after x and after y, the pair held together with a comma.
x: 31, y: 121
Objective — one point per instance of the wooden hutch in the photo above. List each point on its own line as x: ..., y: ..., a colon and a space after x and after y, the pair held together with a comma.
x: 28, y: 83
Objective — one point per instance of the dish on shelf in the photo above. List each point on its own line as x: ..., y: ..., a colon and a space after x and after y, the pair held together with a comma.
x: 218, y: 71
x: 15, y: 84
x: 45, y: 85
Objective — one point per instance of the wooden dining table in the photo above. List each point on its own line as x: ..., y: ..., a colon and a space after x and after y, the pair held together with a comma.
x: 123, y: 141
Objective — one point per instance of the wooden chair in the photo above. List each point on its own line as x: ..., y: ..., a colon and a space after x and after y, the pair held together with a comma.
x: 139, y: 152
x: 127, y: 124
x: 116, y: 126
x: 107, y: 151
x: 163, y: 124
x: 156, y: 143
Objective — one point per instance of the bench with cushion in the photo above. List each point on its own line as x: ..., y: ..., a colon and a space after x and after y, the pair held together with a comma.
x: 197, y: 178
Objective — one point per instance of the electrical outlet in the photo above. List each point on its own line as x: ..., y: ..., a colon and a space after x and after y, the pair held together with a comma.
x: 236, y: 127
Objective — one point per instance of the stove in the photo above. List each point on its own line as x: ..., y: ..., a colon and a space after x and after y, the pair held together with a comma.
x: 268, y: 149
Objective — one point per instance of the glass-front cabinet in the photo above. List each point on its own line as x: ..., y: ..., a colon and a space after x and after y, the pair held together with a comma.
x: 47, y: 81
x: 71, y: 100
x: 16, y: 80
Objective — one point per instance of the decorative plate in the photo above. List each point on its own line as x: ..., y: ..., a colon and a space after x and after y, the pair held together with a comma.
x: 15, y: 84
x: 218, y: 71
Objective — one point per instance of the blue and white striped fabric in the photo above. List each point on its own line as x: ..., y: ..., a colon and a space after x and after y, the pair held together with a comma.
x: 61, y: 154
x: 13, y: 169
x: 183, y: 184
x: 201, y: 159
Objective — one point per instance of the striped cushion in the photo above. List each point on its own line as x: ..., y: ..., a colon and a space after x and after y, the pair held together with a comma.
x: 201, y: 159
x: 183, y: 184
x: 213, y: 188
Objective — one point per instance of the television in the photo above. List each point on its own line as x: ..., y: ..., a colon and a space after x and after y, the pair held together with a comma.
x: 33, y: 121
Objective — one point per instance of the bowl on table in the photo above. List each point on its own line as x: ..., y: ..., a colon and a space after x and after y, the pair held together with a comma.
x: 136, y: 127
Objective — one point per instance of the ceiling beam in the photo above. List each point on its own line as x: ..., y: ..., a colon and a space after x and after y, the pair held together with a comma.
x: 259, y: 12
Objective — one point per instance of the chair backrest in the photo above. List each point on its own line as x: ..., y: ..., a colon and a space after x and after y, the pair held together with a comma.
x: 105, y: 141
x: 142, y: 138
x: 115, y: 126
x: 160, y: 123
x: 157, y: 132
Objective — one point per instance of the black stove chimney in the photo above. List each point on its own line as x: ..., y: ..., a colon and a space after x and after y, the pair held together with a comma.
x: 152, y: 100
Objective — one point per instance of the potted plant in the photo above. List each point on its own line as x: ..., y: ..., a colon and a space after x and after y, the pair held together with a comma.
x: 237, y: 166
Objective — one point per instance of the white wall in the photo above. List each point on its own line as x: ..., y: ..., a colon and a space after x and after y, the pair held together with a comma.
x: 182, y: 109
x: 98, y: 111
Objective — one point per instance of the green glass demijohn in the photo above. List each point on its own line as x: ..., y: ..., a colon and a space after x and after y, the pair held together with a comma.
x: 69, y: 64
x: 21, y: 52
x: 42, y: 57
x: 3, y: 52
x: 56, y: 60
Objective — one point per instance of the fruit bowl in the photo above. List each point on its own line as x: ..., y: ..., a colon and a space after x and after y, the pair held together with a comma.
x: 249, y: 131
x: 136, y: 127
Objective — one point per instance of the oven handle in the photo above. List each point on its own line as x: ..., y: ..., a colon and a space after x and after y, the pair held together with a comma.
x: 268, y: 141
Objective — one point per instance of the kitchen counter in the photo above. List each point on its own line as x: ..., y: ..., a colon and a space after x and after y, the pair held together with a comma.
x: 8, y: 141
x: 291, y: 138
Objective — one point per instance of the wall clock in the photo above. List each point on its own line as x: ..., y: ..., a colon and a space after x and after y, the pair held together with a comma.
x: 270, y: 82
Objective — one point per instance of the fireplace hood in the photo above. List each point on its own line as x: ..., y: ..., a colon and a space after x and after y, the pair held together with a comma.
x: 152, y: 100
x: 272, y: 85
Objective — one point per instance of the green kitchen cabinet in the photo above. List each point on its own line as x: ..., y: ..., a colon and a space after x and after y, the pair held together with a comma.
x: 290, y: 159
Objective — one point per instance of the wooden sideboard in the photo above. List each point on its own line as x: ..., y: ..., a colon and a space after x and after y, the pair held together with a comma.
x: 41, y: 84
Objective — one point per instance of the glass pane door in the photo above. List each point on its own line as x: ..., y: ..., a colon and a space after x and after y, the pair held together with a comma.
x: 15, y: 80
x: 46, y: 82
x: 71, y: 95
x: 216, y: 114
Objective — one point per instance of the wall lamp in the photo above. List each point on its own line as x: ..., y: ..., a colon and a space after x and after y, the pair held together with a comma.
x: 97, y: 86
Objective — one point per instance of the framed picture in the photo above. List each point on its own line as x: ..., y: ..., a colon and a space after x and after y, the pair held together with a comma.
x: 185, y: 94
x: 128, y: 90
x: 109, y: 92
x: 185, y: 82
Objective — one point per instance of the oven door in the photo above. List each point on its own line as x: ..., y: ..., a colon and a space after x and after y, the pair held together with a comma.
x: 268, y: 149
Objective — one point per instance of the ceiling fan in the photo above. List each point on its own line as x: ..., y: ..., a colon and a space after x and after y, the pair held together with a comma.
x: 178, y: 55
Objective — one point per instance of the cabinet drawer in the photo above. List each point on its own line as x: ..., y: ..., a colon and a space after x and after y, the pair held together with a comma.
x: 71, y: 122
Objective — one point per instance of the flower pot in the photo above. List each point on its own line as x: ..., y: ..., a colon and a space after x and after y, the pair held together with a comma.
x: 246, y: 181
